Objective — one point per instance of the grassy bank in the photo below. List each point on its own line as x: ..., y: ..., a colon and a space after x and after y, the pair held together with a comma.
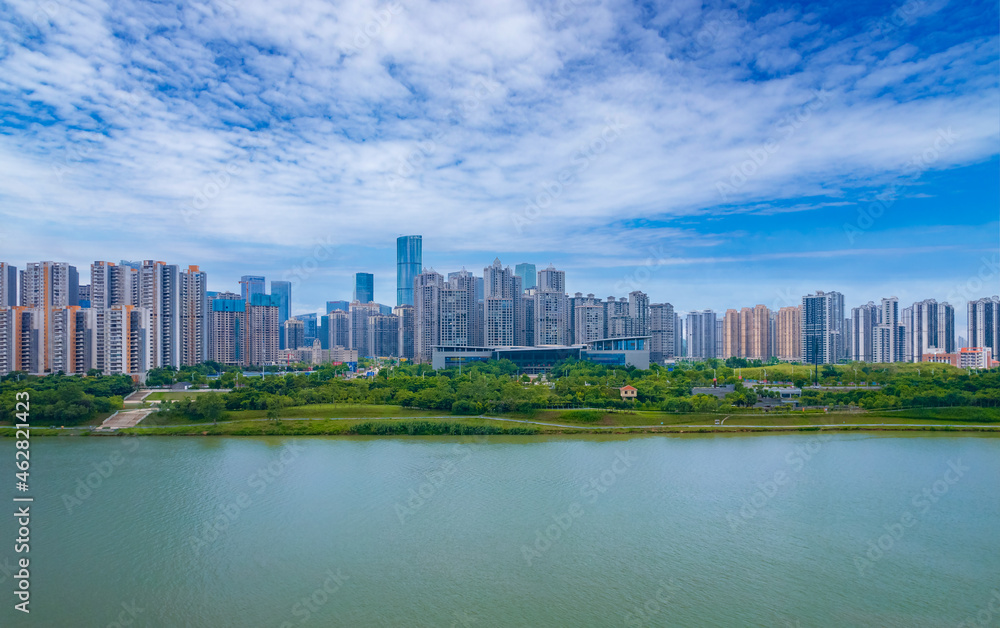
x: 334, y: 427
x: 928, y: 416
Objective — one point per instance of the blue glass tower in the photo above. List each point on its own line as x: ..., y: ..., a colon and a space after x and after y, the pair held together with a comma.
x: 527, y: 274
x: 251, y: 285
x: 283, y: 290
x: 364, y: 287
x: 409, y: 261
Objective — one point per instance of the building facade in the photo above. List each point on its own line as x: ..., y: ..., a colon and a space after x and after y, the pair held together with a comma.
x: 409, y: 261
x: 823, y: 328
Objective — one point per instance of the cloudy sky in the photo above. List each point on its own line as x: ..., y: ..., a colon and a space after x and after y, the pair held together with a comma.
x: 714, y: 155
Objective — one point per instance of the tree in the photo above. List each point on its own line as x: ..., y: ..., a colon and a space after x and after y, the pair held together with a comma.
x: 210, y: 406
x: 273, y: 408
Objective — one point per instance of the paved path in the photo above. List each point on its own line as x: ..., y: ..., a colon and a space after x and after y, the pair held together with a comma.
x: 138, y: 396
x: 124, y: 418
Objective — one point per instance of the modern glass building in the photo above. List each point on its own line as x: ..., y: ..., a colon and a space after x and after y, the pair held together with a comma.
x: 251, y: 285
x: 282, y: 290
x: 338, y: 305
x: 624, y: 352
x: 527, y: 274
x: 409, y: 260
x: 364, y: 287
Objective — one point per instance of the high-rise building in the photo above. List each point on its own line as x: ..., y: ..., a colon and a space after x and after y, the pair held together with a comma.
x: 251, y: 285
x: 984, y: 324
x: 638, y: 311
x: 283, y: 290
x: 524, y: 326
x: 662, y: 332
x: 338, y: 326
x: 589, y: 323
x: 405, y: 315
x: 193, y: 316
x: 551, y: 311
x: 864, y: 318
x: 732, y: 344
x: 929, y: 325
x: 128, y: 349
x: 159, y: 292
x: 718, y: 337
x: 680, y: 336
x: 527, y: 274
x: 8, y: 285
x: 617, y: 322
x: 823, y: 328
x: 72, y: 340
x: 426, y: 296
x: 409, y: 261
x: 261, y: 339
x: 21, y: 339
x: 227, y: 328
x: 458, y: 315
x: 887, y: 338
x: 755, y: 328
x: 45, y: 286
x: 551, y: 280
x: 502, y: 304
x: 383, y: 335
x: 294, y: 333
x: 364, y: 287
x: 310, y: 329
x: 338, y: 305
x: 701, y: 329
x: 360, y: 315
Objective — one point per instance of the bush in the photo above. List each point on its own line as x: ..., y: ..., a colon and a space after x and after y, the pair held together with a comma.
x: 464, y: 407
x: 583, y: 416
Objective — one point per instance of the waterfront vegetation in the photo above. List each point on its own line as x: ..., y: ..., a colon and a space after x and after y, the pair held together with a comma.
x: 496, y: 388
x: 62, y: 399
x: 574, y: 393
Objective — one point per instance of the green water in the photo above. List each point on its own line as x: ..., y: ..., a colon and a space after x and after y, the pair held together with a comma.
x: 326, y: 531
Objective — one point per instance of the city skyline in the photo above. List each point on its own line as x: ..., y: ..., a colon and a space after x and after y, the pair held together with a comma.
x: 974, y: 289
x: 838, y: 147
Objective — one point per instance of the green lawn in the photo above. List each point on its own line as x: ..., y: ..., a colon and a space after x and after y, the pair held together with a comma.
x: 877, y: 372
x: 174, y: 395
x: 462, y: 426
x: 927, y: 416
x: 317, y: 411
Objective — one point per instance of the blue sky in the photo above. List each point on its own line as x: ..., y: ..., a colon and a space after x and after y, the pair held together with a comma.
x: 714, y: 155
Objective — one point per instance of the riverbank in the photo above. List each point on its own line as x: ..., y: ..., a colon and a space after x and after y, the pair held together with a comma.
x: 484, y: 425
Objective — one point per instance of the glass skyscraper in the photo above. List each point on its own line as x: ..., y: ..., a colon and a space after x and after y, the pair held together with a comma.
x: 527, y: 274
x: 364, y: 287
x: 251, y: 285
x: 409, y: 261
x: 283, y: 290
